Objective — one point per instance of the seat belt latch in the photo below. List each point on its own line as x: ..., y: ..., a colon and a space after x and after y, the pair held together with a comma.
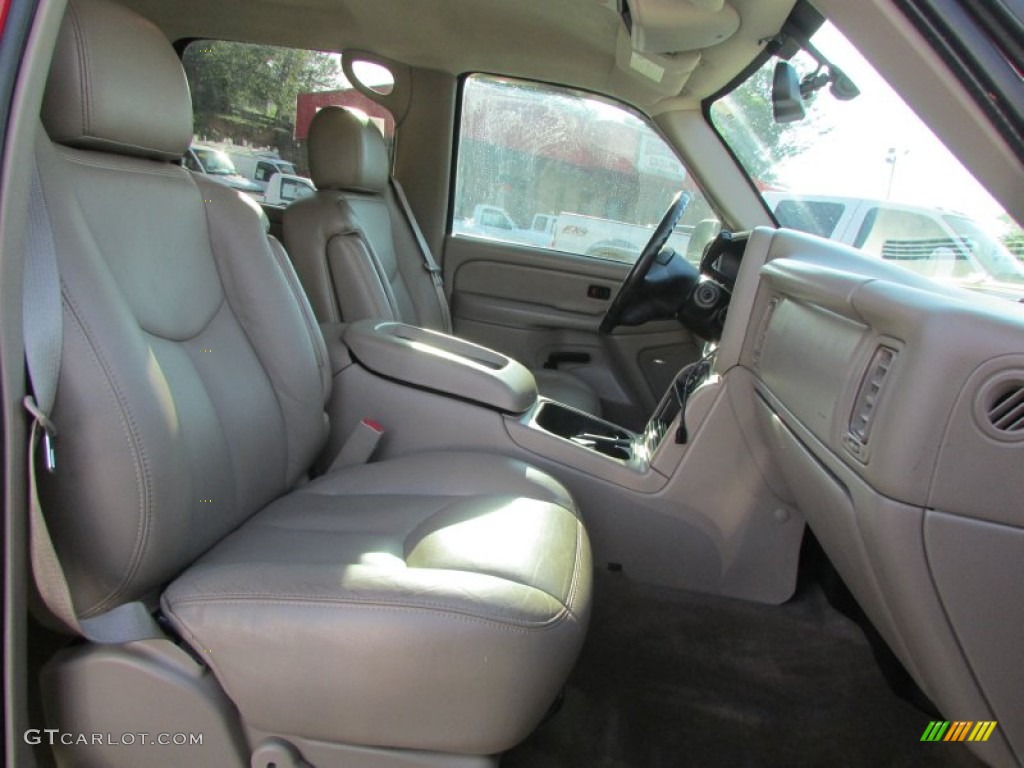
x: 49, y: 432
x: 360, y: 445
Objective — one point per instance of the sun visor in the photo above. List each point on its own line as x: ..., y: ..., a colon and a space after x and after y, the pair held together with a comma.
x: 673, y: 26
x: 650, y: 77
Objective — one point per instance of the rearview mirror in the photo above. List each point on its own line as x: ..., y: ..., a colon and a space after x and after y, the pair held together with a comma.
x: 787, y: 103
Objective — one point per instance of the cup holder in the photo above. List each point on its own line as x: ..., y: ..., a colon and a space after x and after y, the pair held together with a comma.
x: 585, y: 430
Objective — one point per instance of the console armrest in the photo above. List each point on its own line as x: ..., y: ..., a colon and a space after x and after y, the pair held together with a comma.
x: 442, y: 363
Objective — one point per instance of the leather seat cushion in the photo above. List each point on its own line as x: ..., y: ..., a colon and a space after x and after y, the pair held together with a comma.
x: 439, y: 601
x: 568, y: 389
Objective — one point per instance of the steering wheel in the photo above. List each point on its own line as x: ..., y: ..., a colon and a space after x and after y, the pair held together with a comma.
x: 631, y: 285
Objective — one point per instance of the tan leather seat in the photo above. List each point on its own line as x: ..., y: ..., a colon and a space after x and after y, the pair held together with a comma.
x: 355, y: 252
x: 436, y: 602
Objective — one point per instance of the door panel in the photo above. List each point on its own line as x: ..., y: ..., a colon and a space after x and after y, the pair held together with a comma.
x: 575, y: 184
x: 531, y: 303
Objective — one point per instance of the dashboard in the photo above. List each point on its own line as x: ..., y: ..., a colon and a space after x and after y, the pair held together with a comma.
x: 894, y: 412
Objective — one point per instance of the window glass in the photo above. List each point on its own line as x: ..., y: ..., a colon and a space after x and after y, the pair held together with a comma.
x: 552, y: 168
x: 215, y: 162
x: 816, y: 217
x: 868, y: 172
x: 294, y: 190
x: 252, y: 108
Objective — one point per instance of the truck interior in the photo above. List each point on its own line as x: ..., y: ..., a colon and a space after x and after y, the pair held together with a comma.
x: 356, y: 482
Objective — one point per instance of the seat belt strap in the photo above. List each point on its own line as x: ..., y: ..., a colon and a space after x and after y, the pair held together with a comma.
x: 42, y: 318
x: 428, y: 260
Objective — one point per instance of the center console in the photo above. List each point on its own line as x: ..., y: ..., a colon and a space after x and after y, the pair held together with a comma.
x: 441, y: 363
x: 449, y: 366
x: 641, y: 461
x: 684, y: 502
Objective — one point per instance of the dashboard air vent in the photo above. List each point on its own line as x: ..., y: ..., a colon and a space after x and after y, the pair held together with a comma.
x: 870, y: 390
x: 1006, y: 410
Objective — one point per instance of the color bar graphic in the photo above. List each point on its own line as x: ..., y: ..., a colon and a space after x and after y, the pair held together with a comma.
x: 959, y: 730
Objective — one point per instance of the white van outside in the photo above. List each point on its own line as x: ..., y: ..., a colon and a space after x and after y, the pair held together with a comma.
x: 260, y: 168
x: 942, y: 245
x: 285, y: 188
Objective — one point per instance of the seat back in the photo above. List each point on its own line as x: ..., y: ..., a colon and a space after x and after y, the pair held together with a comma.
x: 193, y: 380
x: 351, y: 244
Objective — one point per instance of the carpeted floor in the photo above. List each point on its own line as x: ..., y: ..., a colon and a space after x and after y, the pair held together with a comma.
x: 670, y: 678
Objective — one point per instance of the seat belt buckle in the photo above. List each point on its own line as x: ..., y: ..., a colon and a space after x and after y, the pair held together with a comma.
x: 360, y: 445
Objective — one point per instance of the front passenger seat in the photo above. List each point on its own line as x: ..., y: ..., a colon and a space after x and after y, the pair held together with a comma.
x: 355, y: 252
x: 419, y: 611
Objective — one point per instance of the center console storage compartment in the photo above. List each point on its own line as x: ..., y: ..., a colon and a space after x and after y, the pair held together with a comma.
x: 585, y: 430
x: 442, y: 363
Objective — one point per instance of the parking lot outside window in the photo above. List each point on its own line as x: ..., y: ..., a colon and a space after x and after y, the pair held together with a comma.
x: 551, y: 168
x: 868, y: 172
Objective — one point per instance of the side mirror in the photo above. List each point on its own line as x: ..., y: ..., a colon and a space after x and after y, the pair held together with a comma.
x: 787, y: 102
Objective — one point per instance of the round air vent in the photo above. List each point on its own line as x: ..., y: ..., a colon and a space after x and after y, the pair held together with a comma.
x: 1000, y: 406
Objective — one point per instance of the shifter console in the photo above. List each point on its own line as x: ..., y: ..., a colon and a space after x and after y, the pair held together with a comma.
x: 673, y: 403
x: 586, y: 430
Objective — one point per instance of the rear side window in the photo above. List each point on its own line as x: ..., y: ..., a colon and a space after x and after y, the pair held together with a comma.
x: 551, y: 168
x: 889, y: 232
x: 294, y: 190
x: 254, y: 103
x: 809, y: 216
x: 924, y: 244
x: 264, y: 171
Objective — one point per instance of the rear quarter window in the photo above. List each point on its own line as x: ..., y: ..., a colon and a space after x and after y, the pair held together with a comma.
x: 807, y: 216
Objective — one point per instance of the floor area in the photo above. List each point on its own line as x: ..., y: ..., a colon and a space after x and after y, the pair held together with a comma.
x: 670, y: 678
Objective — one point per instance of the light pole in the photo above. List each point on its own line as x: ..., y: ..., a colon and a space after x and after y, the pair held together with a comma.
x: 891, y: 157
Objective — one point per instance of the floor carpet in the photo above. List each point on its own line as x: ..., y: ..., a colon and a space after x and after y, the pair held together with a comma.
x: 669, y: 678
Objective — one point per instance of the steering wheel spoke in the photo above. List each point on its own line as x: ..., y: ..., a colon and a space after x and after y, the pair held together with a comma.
x: 629, y: 293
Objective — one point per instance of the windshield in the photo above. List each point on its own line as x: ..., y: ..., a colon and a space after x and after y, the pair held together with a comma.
x: 215, y: 162
x: 869, y: 173
x: 993, y: 256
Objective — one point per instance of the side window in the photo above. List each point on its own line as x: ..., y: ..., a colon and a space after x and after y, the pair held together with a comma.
x: 257, y: 101
x: 918, y: 242
x: 817, y: 218
x: 191, y: 163
x: 492, y: 218
x: 294, y: 190
x: 890, y: 227
x: 552, y: 168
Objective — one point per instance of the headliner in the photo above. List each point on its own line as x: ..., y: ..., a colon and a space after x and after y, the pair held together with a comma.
x: 571, y: 42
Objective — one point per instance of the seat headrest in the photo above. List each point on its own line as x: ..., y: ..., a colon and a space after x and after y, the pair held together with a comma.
x: 346, y: 152
x: 116, y: 85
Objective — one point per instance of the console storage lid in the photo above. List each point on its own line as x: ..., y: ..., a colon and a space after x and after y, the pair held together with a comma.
x: 442, y: 363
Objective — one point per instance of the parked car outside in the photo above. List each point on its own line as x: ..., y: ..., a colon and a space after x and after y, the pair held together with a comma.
x: 216, y: 164
x: 260, y: 168
x: 943, y: 245
x: 285, y: 188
